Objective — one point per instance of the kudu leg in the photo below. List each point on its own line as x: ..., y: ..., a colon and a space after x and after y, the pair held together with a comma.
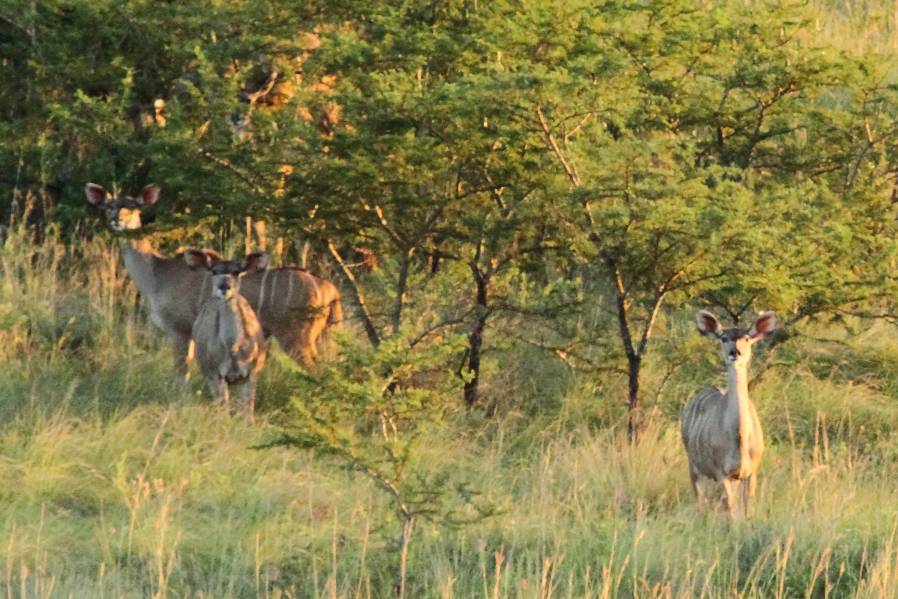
x: 316, y: 328
x: 218, y: 387
x: 181, y: 358
x: 730, y: 488
x: 696, y: 488
x: 248, y: 398
x: 297, y: 344
x: 748, y: 491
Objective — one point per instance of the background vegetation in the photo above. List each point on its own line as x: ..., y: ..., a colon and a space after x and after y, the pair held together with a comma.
x: 523, y: 204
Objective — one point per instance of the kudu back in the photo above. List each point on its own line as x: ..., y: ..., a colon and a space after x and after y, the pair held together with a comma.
x: 230, y: 345
x: 721, y: 430
x: 294, y: 306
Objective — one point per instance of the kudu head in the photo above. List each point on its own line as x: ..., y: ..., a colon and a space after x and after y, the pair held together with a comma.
x: 123, y: 213
x: 226, y: 274
x: 735, y: 343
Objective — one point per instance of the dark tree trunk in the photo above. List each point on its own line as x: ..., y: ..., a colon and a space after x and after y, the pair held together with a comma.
x: 634, y: 362
x: 475, y: 340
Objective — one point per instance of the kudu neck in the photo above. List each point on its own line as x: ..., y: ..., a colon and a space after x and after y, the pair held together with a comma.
x: 737, y: 383
x: 140, y: 245
x: 140, y: 257
x: 738, y: 408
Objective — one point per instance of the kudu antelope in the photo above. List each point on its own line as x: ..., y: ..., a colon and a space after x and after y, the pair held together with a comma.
x: 230, y: 346
x: 721, y: 430
x: 294, y: 306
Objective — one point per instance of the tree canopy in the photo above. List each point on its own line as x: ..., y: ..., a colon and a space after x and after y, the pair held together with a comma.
x: 503, y: 168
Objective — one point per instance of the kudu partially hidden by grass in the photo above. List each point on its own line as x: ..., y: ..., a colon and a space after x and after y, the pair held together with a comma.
x: 721, y: 430
x: 292, y: 305
x: 230, y: 346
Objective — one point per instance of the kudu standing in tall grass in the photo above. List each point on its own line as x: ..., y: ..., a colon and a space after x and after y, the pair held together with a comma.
x: 292, y: 305
x: 721, y: 430
x: 230, y: 346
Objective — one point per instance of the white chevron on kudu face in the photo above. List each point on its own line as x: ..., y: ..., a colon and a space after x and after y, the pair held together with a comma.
x: 721, y: 430
x: 293, y: 305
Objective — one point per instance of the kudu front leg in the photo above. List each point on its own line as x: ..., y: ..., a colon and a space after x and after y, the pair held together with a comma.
x: 181, y: 359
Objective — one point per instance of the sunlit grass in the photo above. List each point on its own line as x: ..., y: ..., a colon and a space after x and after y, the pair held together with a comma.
x: 114, y: 484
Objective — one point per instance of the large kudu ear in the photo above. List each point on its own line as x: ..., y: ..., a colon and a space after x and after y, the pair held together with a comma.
x: 708, y: 325
x: 763, y: 327
x: 199, y: 258
x: 149, y: 195
x: 96, y: 195
x: 255, y: 261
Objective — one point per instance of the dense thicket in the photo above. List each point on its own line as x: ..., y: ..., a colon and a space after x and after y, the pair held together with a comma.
x: 505, y: 168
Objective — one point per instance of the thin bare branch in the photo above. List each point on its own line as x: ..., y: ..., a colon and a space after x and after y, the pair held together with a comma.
x: 440, y: 325
x: 225, y: 163
x: 568, y: 167
x: 395, y: 237
x: 357, y: 294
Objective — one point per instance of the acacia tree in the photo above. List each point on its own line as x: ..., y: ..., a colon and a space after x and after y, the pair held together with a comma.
x: 680, y: 154
x: 428, y: 166
x: 707, y: 153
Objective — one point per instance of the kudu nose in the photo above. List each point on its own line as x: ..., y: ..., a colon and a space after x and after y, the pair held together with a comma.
x: 735, y: 353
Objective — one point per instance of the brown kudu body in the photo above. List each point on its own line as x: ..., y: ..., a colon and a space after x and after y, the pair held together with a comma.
x: 721, y: 430
x: 293, y: 305
x: 230, y: 345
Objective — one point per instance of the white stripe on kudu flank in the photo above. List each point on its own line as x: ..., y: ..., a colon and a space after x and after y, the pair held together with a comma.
x: 262, y: 291
x: 201, y: 298
x: 289, y: 297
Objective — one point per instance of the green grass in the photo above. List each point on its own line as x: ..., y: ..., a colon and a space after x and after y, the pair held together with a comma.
x: 112, y: 484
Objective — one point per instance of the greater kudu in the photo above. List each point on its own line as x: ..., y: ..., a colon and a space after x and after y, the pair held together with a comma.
x: 721, y: 429
x: 230, y: 346
x: 293, y: 305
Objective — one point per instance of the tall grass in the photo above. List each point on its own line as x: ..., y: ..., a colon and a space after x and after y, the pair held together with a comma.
x: 112, y: 484
x: 856, y: 25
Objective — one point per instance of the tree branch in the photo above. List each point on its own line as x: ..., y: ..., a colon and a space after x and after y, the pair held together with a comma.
x: 568, y: 167
x: 357, y: 294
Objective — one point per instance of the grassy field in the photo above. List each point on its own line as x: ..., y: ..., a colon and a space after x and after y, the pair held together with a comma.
x: 113, y: 484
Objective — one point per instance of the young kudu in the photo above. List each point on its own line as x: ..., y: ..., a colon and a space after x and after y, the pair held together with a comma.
x: 721, y: 430
x: 292, y: 305
x: 230, y: 346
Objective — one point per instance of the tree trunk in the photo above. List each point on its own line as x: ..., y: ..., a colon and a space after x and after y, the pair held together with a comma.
x: 401, y: 289
x: 475, y: 340
x: 634, y: 363
x: 408, y: 525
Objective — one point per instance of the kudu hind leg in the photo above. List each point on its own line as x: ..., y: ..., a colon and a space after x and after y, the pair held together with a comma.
x: 247, y: 397
x: 218, y: 387
x: 694, y: 478
x: 181, y: 354
x: 748, y: 492
x: 296, y: 343
x: 728, y: 498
